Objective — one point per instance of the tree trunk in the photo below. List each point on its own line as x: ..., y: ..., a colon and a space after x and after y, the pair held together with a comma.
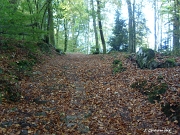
x: 155, y: 27
x: 176, y: 45
x: 100, y: 26
x: 130, y: 13
x: 134, y: 29
x: 65, y: 35
x: 51, y: 24
x: 95, y: 26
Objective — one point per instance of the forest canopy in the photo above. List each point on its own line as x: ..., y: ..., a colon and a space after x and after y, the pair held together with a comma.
x: 84, y: 26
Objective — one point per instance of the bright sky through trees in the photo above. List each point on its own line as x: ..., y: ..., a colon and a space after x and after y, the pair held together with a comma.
x: 149, y: 15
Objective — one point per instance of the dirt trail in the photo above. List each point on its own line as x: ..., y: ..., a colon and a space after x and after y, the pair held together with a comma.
x: 78, y: 94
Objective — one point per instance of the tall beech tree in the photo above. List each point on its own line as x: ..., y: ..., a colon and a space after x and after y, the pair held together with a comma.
x: 176, y: 25
x: 100, y: 25
x: 50, y: 26
x: 95, y: 26
x: 131, y: 10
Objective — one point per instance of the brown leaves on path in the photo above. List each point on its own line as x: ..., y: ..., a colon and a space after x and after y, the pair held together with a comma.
x: 78, y: 94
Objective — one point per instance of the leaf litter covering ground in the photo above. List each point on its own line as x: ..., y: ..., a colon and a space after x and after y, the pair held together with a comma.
x: 78, y: 94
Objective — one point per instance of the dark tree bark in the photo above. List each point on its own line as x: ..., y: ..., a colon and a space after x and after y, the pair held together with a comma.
x: 51, y: 23
x: 65, y: 35
x: 100, y: 26
x: 95, y: 26
x: 134, y: 29
x: 130, y: 13
x: 176, y: 24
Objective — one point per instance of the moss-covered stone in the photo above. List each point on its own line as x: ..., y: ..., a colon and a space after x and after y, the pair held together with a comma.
x: 168, y: 63
x: 152, y: 90
x: 144, y: 56
x: 152, y: 64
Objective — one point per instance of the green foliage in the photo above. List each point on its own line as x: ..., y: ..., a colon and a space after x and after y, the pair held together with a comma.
x: 19, y: 21
x: 25, y: 65
x: 1, y: 71
x: 140, y: 85
x: 156, y: 91
x: 32, y: 57
x: 5, y: 46
x: 119, y: 40
x: 115, y: 62
x: 117, y: 66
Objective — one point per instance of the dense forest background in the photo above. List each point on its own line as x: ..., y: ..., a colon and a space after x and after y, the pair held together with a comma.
x: 82, y: 25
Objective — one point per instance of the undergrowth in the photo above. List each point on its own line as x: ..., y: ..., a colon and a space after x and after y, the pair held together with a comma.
x: 17, y: 59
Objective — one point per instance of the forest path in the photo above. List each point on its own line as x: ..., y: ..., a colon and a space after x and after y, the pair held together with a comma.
x: 79, y: 94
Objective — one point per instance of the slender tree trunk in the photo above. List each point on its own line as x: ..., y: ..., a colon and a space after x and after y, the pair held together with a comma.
x: 57, y: 34
x: 100, y: 26
x: 134, y: 29
x: 176, y: 45
x: 130, y: 46
x: 65, y: 35
x: 155, y: 26
x: 51, y: 23
x: 95, y: 26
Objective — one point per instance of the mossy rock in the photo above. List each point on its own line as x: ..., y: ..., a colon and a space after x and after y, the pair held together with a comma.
x: 152, y: 64
x: 144, y: 56
x: 153, y: 90
x: 168, y: 63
